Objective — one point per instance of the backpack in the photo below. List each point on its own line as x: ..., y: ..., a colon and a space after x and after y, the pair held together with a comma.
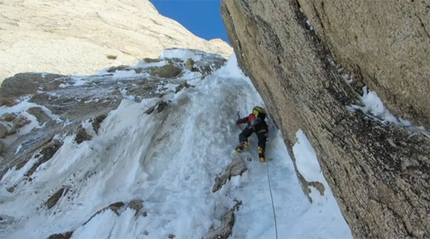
x: 259, y: 112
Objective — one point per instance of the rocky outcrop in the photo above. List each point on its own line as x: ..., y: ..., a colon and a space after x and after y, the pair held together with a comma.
x: 75, y: 37
x: 224, y: 231
x: 82, y: 135
x: 136, y: 205
x: 66, y: 235
x: 60, y: 104
x: 52, y: 201
x: 45, y: 154
x: 236, y: 168
x: 378, y: 172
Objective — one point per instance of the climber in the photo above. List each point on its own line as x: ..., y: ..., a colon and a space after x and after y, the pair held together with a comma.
x: 256, y: 124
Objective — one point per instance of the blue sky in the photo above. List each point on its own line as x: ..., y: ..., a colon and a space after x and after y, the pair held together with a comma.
x: 201, y: 17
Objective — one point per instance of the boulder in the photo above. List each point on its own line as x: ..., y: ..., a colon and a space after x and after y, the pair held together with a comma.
x: 189, y: 65
x: 166, y: 71
x: 20, y: 122
x: 9, y: 117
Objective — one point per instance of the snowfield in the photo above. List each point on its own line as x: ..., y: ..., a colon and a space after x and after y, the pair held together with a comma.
x: 168, y: 161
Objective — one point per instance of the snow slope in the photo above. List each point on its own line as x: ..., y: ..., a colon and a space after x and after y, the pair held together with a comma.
x: 170, y: 160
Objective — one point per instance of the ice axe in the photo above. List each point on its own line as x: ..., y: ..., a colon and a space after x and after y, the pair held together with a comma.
x: 238, y: 118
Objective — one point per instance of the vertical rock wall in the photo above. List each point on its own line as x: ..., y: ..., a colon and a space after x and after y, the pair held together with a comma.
x: 378, y: 173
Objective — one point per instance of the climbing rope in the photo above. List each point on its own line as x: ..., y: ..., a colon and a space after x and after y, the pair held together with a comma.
x: 270, y: 189
x: 273, y: 205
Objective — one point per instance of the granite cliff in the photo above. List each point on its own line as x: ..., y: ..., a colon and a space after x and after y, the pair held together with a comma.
x: 310, y: 60
x: 81, y: 37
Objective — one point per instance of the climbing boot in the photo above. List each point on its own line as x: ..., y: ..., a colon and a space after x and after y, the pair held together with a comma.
x: 241, y: 146
x: 261, y: 154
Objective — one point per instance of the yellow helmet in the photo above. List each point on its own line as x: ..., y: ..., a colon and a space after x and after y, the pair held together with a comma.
x: 258, y: 110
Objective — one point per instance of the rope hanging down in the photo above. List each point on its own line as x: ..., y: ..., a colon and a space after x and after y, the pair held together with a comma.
x: 273, y: 205
x: 270, y: 189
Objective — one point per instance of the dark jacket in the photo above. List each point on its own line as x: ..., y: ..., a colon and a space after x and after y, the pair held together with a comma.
x: 254, y: 123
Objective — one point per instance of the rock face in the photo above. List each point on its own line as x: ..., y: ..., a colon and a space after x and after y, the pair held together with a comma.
x: 386, y: 43
x: 378, y: 172
x: 81, y: 37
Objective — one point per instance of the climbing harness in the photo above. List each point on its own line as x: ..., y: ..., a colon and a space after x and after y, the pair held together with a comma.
x: 271, y: 197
